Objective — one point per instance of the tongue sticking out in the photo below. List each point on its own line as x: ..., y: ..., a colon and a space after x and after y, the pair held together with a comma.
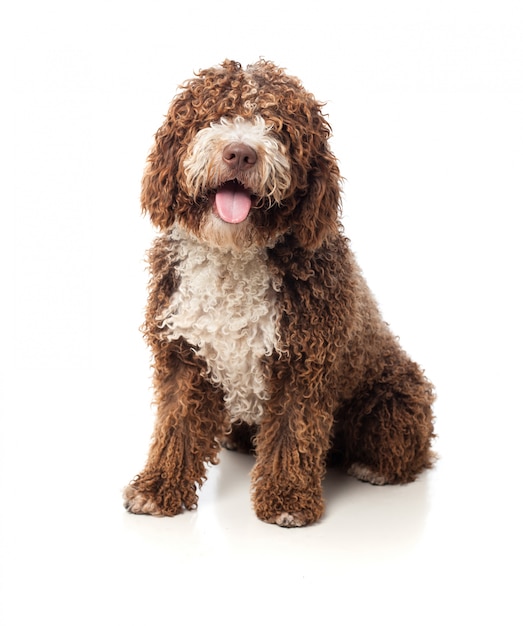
x: 233, y: 203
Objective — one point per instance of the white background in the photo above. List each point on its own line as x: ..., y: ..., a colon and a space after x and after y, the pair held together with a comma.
x: 426, y: 102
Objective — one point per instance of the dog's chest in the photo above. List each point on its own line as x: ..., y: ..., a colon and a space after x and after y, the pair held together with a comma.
x: 226, y: 308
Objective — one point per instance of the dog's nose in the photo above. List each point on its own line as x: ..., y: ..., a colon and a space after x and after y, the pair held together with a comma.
x: 239, y: 156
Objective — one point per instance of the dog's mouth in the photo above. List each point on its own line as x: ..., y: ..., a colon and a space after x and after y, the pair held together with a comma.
x: 233, y: 202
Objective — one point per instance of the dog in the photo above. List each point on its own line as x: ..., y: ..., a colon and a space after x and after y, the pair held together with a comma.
x: 264, y: 334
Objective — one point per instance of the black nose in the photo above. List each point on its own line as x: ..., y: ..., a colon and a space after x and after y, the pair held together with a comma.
x: 239, y: 156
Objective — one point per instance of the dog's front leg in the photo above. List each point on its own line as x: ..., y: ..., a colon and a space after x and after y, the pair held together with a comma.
x: 290, y: 449
x: 189, y: 420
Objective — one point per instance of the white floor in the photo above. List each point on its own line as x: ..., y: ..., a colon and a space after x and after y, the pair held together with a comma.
x: 428, y: 128
x: 444, y: 550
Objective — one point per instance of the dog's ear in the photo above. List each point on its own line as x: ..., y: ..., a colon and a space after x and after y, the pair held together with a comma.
x: 159, y: 179
x: 318, y: 211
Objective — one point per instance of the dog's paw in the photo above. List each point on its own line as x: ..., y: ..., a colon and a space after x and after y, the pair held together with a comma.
x: 239, y: 438
x: 366, y: 474
x: 143, y: 503
x: 228, y: 444
x: 290, y: 520
x: 285, y: 506
x: 139, y: 503
x: 150, y: 494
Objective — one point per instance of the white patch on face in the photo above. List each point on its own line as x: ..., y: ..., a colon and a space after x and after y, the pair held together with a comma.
x: 205, y: 169
x: 225, y: 307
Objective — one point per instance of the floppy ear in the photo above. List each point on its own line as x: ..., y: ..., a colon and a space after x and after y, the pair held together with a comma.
x: 317, y: 213
x: 159, y: 188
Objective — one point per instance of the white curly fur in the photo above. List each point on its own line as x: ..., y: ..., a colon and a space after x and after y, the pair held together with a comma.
x: 225, y: 307
x: 204, y: 167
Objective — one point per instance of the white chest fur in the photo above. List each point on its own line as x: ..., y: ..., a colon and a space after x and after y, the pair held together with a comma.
x: 225, y: 307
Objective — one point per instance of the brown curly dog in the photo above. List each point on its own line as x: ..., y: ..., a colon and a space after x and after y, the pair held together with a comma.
x: 264, y: 334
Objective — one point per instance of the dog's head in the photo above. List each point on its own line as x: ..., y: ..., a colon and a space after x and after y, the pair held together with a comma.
x: 243, y: 158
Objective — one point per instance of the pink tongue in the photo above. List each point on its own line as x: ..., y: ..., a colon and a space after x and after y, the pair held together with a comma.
x: 233, y: 203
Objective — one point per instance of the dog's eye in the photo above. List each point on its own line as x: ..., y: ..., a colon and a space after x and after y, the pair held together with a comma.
x: 281, y: 130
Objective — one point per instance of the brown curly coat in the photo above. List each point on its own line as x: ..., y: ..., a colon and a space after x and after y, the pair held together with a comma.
x: 338, y: 386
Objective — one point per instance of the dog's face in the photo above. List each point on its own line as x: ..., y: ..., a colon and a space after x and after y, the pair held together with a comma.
x: 242, y: 159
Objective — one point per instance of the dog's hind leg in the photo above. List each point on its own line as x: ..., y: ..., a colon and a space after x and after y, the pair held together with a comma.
x: 389, y: 428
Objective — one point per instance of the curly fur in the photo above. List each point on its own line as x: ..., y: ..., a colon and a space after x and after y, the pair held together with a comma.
x: 232, y: 320
x: 264, y: 334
